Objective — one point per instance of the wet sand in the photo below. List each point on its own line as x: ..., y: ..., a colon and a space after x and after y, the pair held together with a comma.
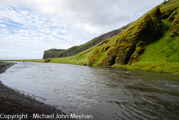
x: 14, y: 103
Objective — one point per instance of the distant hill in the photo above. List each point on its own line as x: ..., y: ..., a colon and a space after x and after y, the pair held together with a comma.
x: 52, y: 53
x: 55, y: 53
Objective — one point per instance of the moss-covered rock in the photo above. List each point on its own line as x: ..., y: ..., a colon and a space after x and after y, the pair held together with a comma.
x: 127, y: 46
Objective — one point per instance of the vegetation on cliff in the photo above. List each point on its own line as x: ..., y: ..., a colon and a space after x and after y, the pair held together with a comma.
x: 149, y: 43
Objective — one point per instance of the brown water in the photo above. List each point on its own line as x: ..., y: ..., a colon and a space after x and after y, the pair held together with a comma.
x: 105, y: 93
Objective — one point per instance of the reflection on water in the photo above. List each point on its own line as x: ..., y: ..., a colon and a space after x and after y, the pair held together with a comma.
x: 108, y: 94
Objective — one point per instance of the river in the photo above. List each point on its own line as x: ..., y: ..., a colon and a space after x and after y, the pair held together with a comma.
x: 105, y: 93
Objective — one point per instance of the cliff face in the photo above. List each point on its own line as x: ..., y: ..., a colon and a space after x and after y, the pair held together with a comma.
x: 128, y: 46
x: 54, y: 53
x: 125, y: 47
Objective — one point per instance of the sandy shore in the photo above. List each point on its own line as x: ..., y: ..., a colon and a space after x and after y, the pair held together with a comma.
x: 14, y: 103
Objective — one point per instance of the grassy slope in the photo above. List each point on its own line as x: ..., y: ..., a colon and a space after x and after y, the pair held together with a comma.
x: 161, y: 59
x: 77, y: 49
x: 161, y: 55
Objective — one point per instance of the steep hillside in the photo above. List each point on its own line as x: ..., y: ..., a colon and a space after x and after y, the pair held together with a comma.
x: 149, y: 43
x: 152, y: 38
x: 127, y: 46
x: 163, y: 54
x: 52, y: 53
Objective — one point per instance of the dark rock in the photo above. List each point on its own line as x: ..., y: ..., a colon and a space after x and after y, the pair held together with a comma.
x: 47, y: 60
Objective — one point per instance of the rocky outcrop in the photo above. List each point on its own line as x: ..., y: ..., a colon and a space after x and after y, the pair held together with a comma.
x: 47, y: 60
x: 52, y: 53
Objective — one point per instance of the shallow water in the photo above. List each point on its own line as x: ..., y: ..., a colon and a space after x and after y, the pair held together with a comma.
x: 105, y: 93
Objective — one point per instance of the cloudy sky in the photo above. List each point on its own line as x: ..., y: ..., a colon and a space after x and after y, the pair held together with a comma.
x: 28, y: 27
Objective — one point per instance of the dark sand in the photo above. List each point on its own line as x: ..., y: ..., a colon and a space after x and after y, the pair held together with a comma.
x: 12, y: 102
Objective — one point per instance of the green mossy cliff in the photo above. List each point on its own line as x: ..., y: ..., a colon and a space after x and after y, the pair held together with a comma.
x: 149, y: 43
x: 125, y: 46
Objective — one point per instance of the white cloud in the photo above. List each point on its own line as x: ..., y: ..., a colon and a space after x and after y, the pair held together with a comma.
x: 36, y: 25
x: 100, y: 15
x: 22, y: 30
